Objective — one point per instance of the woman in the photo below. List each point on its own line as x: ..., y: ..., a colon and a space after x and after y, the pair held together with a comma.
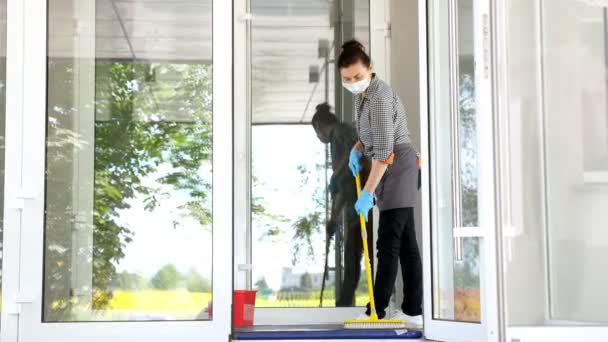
x: 385, y: 139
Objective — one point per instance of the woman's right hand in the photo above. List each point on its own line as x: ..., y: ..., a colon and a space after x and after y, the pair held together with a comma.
x: 354, y: 161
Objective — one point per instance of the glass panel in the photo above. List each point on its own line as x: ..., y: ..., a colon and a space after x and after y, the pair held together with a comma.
x: 467, y: 295
x: 456, y: 278
x: 129, y: 146
x: 2, y: 127
x: 441, y: 162
x: 557, y: 239
x: 467, y: 121
x: 294, y: 45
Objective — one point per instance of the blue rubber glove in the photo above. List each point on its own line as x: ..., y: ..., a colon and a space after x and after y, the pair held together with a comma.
x: 364, y: 204
x: 354, y: 161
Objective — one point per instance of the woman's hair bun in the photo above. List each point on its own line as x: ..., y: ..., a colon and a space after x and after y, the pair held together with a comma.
x: 353, y: 45
x: 353, y: 52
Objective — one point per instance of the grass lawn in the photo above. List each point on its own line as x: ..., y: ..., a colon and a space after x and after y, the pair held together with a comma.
x: 188, y: 303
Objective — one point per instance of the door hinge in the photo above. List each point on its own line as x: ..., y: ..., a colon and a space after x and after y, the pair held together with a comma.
x: 18, y: 202
x: 385, y: 28
x: 245, y: 267
x: 486, y: 46
x: 14, y: 306
x: 246, y: 17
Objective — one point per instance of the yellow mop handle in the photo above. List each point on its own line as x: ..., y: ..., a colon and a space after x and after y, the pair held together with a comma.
x: 368, y: 266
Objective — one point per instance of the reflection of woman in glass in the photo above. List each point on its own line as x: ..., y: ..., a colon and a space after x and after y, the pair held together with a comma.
x: 341, y: 137
x: 384, y: 137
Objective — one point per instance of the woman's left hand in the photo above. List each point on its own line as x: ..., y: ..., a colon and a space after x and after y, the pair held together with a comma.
x: 364, y: 204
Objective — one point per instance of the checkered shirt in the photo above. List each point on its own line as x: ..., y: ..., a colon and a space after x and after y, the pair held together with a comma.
x: 381, y: 120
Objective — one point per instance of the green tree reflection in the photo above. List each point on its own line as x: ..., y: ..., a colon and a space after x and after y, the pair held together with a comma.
x: 151, y: 120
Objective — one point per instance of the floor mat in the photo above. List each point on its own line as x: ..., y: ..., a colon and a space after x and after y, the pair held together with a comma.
x: 327, y: 335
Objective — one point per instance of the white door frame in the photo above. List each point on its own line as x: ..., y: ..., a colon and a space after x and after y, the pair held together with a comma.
x: 441, y: 330
x: 14, y: 194
x: 24, y: 214
x: 557, y: 333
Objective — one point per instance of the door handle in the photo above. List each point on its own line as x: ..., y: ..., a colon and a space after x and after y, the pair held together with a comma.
x: 15, y: 305
x: 458, y: 249
x: 18, y: 202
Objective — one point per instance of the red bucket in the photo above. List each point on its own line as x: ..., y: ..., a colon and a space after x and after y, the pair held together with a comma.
x: 244, y: 307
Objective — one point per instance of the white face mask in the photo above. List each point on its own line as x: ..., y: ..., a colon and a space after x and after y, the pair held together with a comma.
x: 356, y: 87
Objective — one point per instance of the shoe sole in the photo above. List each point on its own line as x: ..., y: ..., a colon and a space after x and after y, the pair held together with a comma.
x: 413, y: 326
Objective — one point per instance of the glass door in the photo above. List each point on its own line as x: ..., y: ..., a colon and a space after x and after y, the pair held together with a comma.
x: 459, y: 197
x: 287, y: 171
x: 125, y: 213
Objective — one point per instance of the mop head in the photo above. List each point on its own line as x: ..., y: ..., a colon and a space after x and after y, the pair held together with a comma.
x: 395, y: 324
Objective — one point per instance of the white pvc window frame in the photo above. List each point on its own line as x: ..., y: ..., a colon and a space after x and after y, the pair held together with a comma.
x: 25, y: 186
x: 442, y: 330
x: 556, y: 334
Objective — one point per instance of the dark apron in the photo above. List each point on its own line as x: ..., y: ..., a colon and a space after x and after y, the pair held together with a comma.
x: 398, y: 187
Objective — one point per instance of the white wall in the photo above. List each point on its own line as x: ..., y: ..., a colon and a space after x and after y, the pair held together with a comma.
x: 404, y: 68
x: 523, y: 193
x: 577, y: 143
x: 404, y: 78
x: 557, y: 127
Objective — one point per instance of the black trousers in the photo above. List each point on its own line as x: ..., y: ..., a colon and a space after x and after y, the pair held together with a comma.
x: 353, y: 252
x: 397, y: 242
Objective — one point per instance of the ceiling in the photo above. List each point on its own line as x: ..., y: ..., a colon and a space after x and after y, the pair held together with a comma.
x: 285, y: 39
x: 166, y: 30
x: 284, y: 43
